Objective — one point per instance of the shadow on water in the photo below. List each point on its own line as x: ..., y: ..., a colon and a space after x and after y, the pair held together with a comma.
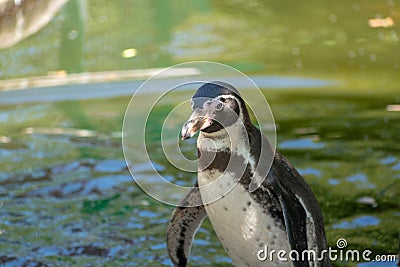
x: 66, y: 196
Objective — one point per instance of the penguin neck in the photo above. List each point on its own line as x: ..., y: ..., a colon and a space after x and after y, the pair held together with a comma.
x: 232, y: 139
x: 224, y: 151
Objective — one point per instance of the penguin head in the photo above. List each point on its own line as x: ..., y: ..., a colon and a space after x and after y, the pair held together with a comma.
x: 215, y: 106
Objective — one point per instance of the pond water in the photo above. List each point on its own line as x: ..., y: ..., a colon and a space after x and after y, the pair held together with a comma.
x: 332, y: 81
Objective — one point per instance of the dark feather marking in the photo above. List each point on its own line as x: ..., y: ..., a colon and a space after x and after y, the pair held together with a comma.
x: 181, y: 253
x: 220, y: 160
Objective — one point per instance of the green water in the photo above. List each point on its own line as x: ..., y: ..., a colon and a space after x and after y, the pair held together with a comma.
x: 68, y: 199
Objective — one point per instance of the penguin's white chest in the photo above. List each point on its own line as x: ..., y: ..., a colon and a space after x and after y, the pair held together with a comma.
x: 240, y: 224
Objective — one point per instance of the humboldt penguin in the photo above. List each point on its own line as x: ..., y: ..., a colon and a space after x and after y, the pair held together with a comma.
x: 256, y: 201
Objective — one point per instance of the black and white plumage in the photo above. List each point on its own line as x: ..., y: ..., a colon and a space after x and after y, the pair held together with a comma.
x: 281, y: 213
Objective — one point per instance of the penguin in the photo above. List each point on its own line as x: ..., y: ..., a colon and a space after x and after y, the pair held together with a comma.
x: 257, y: 202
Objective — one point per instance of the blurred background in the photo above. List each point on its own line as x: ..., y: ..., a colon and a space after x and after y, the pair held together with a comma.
x: 329, y: 69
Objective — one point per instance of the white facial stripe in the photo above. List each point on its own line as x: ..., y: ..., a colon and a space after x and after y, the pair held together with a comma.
x: 237, y: 101
x: 231, y: 97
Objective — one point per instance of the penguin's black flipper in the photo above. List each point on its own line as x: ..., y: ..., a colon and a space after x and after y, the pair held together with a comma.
x: 302, y: 215
x: 184, y: 223
x: 295, y: 222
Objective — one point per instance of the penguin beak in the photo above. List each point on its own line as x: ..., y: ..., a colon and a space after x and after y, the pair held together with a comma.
x: 199, y: 120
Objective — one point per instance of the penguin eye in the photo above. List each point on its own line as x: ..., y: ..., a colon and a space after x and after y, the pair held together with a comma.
x: 222, y: 99
x: 219, y: 106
